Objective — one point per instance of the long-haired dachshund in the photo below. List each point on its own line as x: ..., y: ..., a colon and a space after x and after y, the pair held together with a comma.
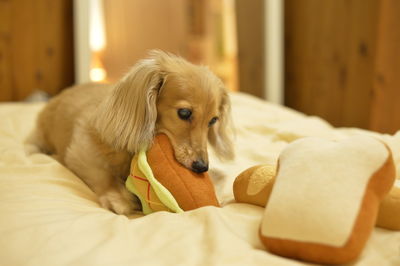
x: 96, y: 129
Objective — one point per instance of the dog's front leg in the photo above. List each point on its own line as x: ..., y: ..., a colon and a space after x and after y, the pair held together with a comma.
x: 92, y: 164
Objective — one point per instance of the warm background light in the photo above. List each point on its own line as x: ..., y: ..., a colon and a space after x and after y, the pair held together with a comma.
x: 97, y: 38
x: 97, y: 41
x: 97, y: 74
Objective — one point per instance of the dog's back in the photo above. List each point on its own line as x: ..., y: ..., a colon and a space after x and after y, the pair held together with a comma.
x: 57, y: 120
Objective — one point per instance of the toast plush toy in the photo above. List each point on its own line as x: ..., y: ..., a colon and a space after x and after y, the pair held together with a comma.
x: 254, y: 186
x: 323, y: 201
x: 162, y: 184
x: 389, y: 210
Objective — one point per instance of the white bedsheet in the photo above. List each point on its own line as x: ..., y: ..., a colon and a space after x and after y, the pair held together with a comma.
x: 48, y: 216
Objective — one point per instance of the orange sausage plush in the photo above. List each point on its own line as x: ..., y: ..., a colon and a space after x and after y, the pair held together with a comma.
x: 163, y: 184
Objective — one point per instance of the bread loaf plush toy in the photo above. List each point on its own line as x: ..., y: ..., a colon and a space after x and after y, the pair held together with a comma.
x: 254, y: 185
x: 163, y: 184
x: 325, y: 197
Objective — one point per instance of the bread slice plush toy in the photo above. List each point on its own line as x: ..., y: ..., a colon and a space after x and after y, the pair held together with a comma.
x: 325, y: 197
x: 163, y: 184
x: 389, y: 209
x: 254, y: 186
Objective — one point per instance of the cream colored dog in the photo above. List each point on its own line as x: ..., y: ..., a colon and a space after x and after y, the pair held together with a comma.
x: 96, y: 129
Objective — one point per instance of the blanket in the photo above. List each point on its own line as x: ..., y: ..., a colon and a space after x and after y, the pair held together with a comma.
x: 48, y: 216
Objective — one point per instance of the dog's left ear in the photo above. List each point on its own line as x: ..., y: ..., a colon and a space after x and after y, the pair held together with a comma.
x: 221, y: 134
x: 126, y: 119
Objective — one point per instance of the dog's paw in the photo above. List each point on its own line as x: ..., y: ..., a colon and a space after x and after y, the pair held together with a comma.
x: 118, y: 202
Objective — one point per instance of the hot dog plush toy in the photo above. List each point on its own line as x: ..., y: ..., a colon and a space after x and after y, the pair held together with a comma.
x: 323, y: 198
x: 162, y: 184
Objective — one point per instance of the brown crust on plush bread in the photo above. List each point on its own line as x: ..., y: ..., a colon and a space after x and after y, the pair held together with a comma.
x: 389, y: 210
x: 190, y: 190
x: 242, y: 182
x: 378, y: 186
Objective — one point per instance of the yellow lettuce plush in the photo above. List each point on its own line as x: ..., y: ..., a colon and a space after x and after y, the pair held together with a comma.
x: 153, y: 196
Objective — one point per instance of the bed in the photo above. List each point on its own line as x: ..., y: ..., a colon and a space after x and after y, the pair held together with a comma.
x: 48, y: 216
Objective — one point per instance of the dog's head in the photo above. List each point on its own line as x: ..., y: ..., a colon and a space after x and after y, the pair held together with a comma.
x: 167, y: 94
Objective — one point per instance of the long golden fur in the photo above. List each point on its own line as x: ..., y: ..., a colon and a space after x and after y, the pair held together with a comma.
x: 96, y: 129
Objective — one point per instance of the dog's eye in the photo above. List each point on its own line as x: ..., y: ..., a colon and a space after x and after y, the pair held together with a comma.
x: 184, y: 113
x: 213, y: 121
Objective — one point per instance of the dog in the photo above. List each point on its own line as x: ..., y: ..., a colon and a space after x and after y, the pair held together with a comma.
x: 95, y: 129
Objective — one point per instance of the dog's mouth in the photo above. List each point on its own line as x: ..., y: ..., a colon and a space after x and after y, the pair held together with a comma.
x: 186, y: 156
x: 199, y: 166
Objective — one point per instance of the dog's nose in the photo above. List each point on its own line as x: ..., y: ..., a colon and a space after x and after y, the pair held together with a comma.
x: 199, y: 166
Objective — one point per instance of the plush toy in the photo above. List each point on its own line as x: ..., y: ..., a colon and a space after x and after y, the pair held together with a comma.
x: 254, y: 186
x: 389, y: 210
x: 162, y: 184
x: 325, y: 197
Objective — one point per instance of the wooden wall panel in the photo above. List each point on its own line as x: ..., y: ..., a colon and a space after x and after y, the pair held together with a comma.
x: 329, y: 58
x: 385, y: 109
x: 36, y: 47
x: 251, y: 46
x: 5, y: 53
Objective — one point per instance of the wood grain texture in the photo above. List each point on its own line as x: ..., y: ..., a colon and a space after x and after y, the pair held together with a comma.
x: 330, y: 51
x: 36, y: 47
x: 5, y: 53
x: 251, y: 46
x: 385, y: 107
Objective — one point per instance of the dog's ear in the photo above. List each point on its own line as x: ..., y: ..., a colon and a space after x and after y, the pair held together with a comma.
x: 220, y: 135
x: 127, y: 118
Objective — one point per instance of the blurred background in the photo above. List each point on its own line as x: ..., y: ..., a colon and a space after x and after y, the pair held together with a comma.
x: 337, y: 59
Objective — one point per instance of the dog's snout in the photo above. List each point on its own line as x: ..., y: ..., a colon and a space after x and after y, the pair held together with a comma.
x: 199, y: 166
